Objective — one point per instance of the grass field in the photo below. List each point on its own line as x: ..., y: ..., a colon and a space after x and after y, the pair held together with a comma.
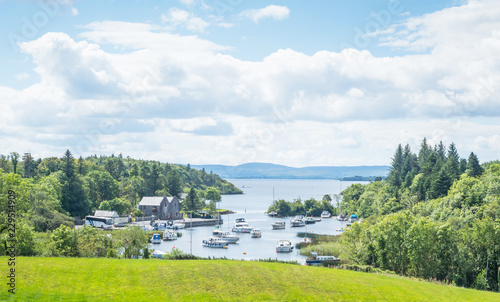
x: 80, y: 279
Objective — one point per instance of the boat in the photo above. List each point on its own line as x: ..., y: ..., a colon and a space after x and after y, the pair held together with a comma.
x: 217, y: 232
x: 318, y: 219
x: 353, y: 218
x: 238, y: 220
x: 342, y: 217
x: 325, y: 214
x: 278, y: 225
x: 215, y: 243
x: 273, y: 213
x: 310, y: 220
x: 158, y: 254
x: 284, y: 246
x: 156, y: 239
x: 169, y: 235
x: 178, y: 225
x: 242, y: 227
x: 226, y: 236
x: 319, y: 260
x: 256, y: 233
x: 298, y: 221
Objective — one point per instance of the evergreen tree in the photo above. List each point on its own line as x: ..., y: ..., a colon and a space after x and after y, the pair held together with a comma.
x: 174, y: 183
x: 28, y: 166
x: 14, y: 158
x: 473, y: 167
x: 453, y: 163
x: 395, y: 176
x: 73, y: 196
x: 424, y: 152
x: 440, y: 184
x: 441, y: 151
x: 135, y: 170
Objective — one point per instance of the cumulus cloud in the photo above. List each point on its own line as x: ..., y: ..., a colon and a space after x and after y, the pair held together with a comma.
x: 130, y: 85
x: 275, y: 12
x: 178, y: 17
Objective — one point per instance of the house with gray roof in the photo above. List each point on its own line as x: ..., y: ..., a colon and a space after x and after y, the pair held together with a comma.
x: 162, y: 207
x: 110, y: 214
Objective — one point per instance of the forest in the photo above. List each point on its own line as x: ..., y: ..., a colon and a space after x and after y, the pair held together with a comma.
x: 436, y: 216
x: 53, y: 191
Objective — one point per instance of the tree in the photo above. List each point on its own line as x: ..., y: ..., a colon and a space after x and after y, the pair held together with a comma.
x: 28, y: 166
x: 395, y: 175
x: 133, y: 240
x: 74, y: 198
x: 474, y: 169
x: 174, y: 183
x: 192, y: 203
x: 120, y: 205
x: 14, y: 158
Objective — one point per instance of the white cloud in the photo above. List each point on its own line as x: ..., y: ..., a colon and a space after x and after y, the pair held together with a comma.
x: 135, y: 88
x: 271, y: 11
x: 178, y: 17
x: 74, y: 12
x: 22, y: 76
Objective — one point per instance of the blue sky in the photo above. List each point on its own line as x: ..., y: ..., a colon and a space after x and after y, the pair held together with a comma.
x: 234, y: 81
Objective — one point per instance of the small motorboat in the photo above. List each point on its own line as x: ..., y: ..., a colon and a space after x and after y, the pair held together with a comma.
x: 169, y: 235
x: 325, y: 214
x: 242, y: 227
x: 226, y: 236
x: 215, y: 243
x: 256, y: 233
x: 278, y: 225
x: 273, y: 213
x: 298, y: 221
x: 284, y: 246
x: 178, y: 225
x: 238, y: 220
x: 310, y: 220
x: 158, y: 254
x: 318, y: 260
x: 156, y: 239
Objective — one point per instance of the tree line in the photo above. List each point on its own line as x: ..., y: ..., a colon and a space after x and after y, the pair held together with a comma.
x: 435, y: 216
x: 52, y: 191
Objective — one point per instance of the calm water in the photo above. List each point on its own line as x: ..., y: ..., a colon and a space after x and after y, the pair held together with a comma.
x: 252, y: 205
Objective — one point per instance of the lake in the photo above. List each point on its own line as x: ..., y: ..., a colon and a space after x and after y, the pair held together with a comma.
x: 252, y: 205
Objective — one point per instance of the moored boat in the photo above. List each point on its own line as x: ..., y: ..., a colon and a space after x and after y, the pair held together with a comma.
x: 158, y: 254
x: 325, y: 214
x: 273, y: 213
x: 256, y: 233
x: 278, y: 225
x: 353, y: 218
x: 178, y: 225
x: 298, y: 221
x: 169, y: 235
x: 284, y: 246
x: 318, y: 260
x: 238, y: 220
x: 242, y: 227
x: 156, y: 239
x: 226, y: 236
x: 310, y: 220
x: 215, y: 243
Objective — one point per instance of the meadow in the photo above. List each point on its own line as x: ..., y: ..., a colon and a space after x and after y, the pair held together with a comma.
x: 101, y: 279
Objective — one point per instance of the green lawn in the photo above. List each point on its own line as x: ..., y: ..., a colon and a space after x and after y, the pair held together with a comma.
x: 81, y: 279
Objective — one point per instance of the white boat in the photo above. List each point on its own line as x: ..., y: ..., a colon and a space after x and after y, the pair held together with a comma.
x: 242, y: 227
x: 278, y: 225
x: 310, y: 220
x: 158, y: 254
x: 226, y: 236
x: 178, y: 225
x: 238, y: 220
x: 273, y: 213
x: 284, y: 246
x: 169, y: 235
x: 325, y: 214
x: 298, y: 221
x: 256, y: 233
x: 318, y: 260
x: 215, y: 243
x: 156, y: 239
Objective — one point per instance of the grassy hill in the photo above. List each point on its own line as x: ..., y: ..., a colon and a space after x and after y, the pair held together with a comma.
x: 98, y: 279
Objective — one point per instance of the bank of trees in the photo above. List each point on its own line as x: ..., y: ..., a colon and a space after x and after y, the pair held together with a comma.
x: 435, y: 216
x: 310, y: 207
x: 51, y: 191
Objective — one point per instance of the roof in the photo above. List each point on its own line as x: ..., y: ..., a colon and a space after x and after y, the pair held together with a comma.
x: 99, y: 213
x: 151, y: 201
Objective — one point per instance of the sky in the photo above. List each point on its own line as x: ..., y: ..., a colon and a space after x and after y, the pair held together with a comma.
x: 298, y: 83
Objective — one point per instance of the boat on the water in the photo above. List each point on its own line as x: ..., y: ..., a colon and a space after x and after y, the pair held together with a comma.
x: 158, y: 254
x: 169, y: 235
x: 178, y: 225
x: 310, y: 220
x: 284, y: 246
x: 238, y: 220
x: 256, y: 233
x: 242, y: 227
x: 325, y: 214
x: 342, y: 217
x: 278, y: 225
x: 215, y: 243
x: 156, y: 239
x: 226, y: 236
x: 298, y: 221
x: 272, y: 213
x: 353, y: 218
x: 319, y: 260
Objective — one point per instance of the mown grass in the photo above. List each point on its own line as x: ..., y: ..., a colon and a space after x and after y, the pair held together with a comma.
x: 81, y: 279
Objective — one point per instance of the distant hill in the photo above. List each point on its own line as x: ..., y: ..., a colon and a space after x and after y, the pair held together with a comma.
x: 263, y: 170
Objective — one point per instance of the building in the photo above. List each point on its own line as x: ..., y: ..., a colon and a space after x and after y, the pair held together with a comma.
x: 163, y: 208
x: 108, y: 214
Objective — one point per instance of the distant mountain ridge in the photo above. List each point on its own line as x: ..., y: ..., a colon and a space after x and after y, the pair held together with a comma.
x: 273, y: 171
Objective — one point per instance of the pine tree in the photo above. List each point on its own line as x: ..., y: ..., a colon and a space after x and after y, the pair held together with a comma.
x: 424, y: 152
x: 473, y: 167
x: 73, y: 196
x: 453, y: 163
x: 395, y: 175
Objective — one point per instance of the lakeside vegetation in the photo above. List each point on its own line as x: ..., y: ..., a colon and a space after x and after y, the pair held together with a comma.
x: 52, y: 191
x: 83, y: 279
